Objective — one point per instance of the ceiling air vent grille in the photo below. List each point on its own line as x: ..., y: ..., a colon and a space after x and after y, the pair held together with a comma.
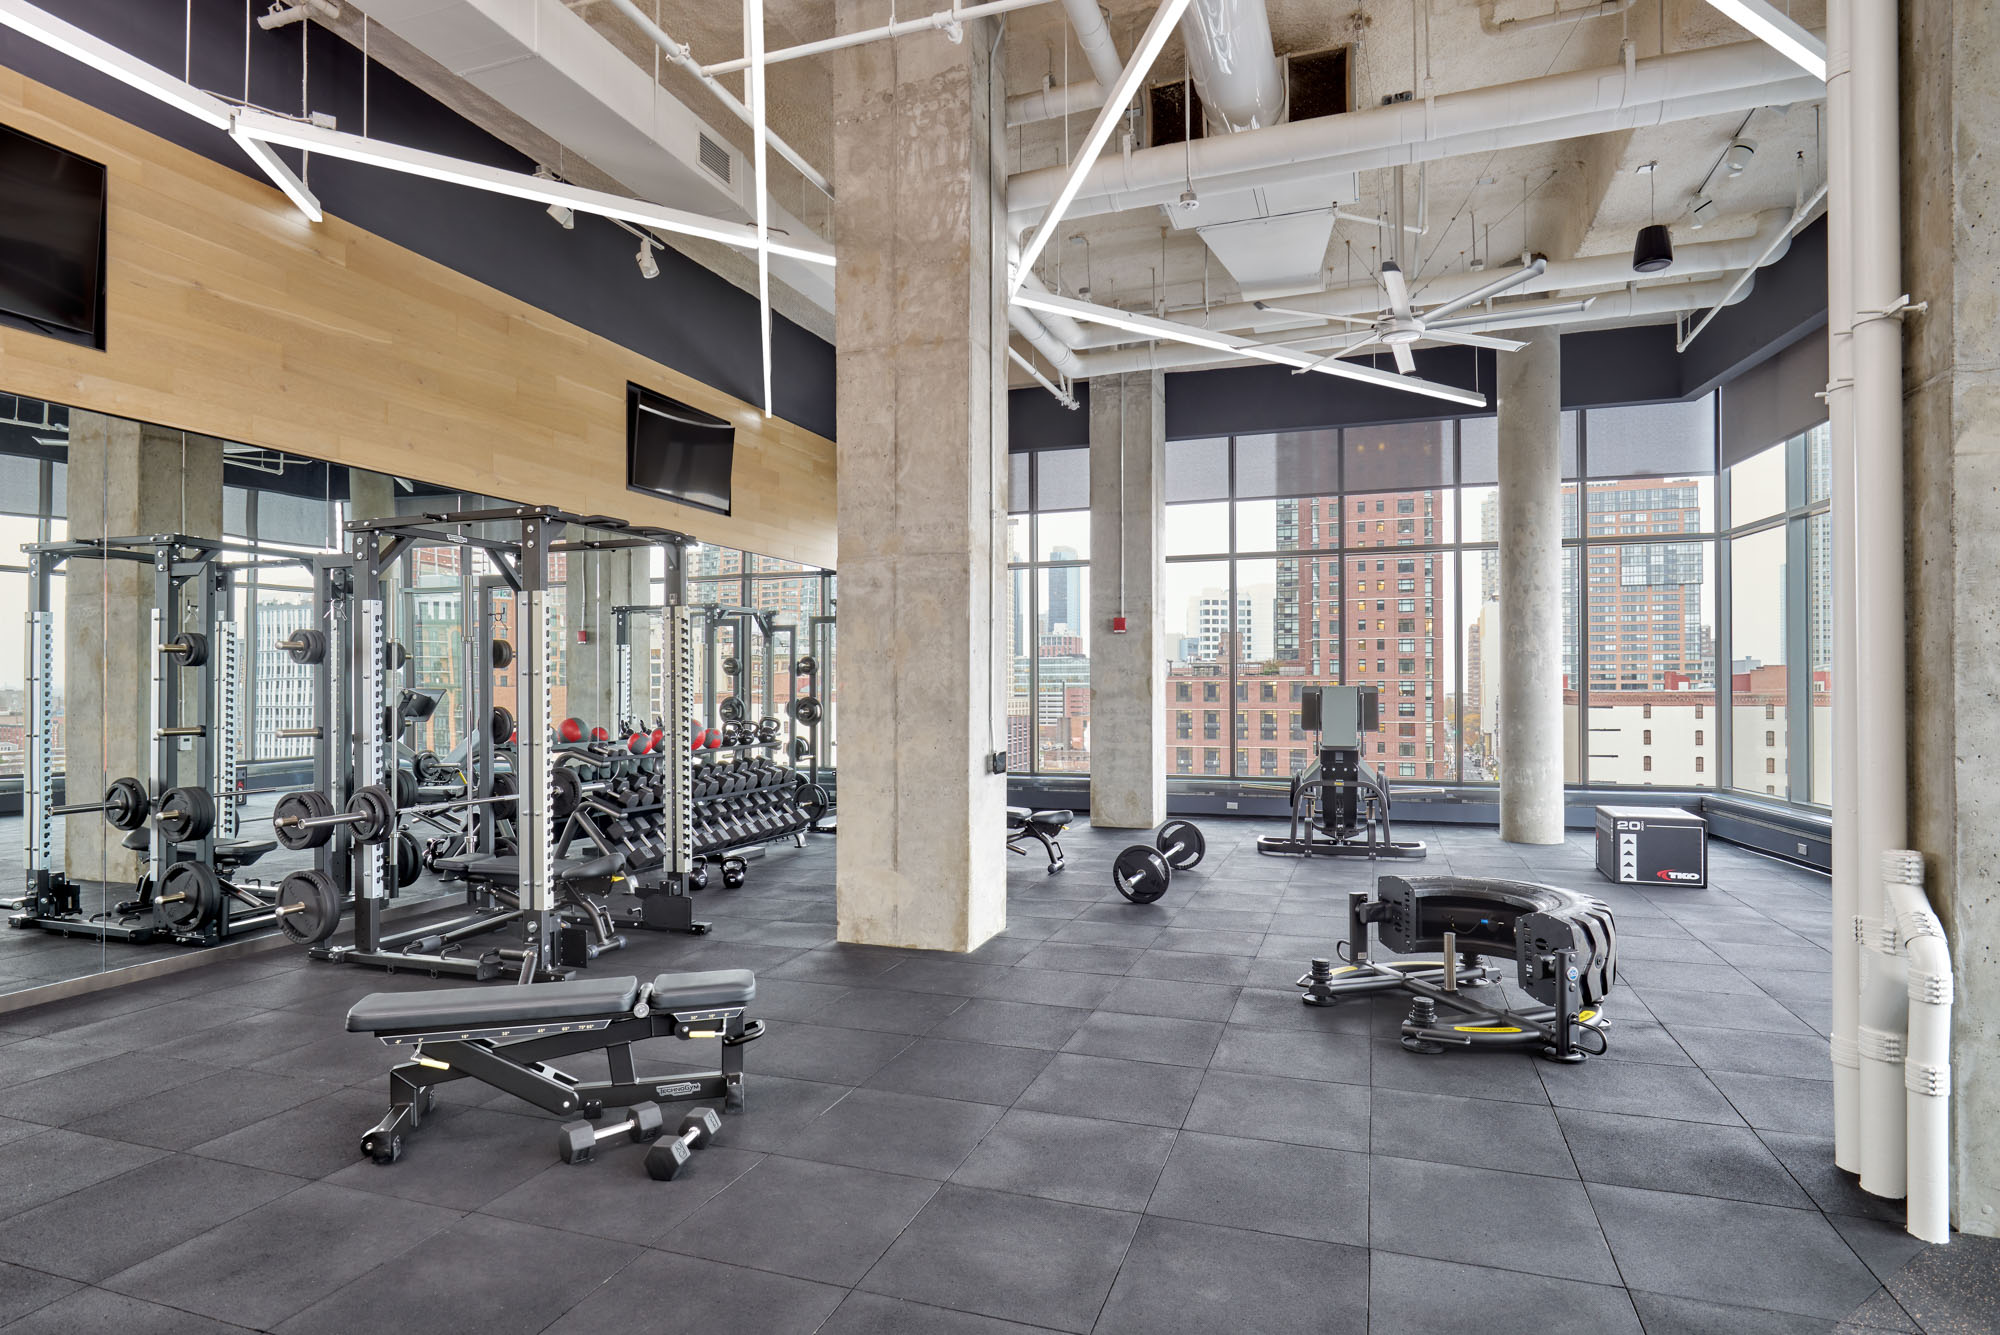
x: 1318, y: 83
x: 715, y: 157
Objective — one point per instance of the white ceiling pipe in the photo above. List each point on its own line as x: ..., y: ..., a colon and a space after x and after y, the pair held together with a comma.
x: 1608, y: 308
x: 1063, y: 396
x: 951, y: 22
x: 1086, y: 20
x: 1052, y: 100
x: 1028, y: 324
x: 1701, y: 258
x: 1660, y: 89
x: 1069, y: 331
x: 1234, y: 66
x: 684, y: 58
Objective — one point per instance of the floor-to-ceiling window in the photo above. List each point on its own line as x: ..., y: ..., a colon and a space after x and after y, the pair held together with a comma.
x: 1048, y: 612
x: 1780, y: 626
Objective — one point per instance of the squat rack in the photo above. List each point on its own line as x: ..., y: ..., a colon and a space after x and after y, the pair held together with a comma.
x: 199, y: 907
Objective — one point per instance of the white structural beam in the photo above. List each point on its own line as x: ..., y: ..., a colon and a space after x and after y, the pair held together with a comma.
x: 272, y: 129
x: 1145, y: 326
x: 1108, y: 116
x: 1762, y: 20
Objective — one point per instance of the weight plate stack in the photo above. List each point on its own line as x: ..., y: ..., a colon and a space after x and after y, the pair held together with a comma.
x: 191, y: 896
x: 318, y: 914
x: 187, y: 813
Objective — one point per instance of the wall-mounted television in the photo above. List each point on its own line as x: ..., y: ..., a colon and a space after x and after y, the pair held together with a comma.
x: 51, y: 240
x: 677, y: 452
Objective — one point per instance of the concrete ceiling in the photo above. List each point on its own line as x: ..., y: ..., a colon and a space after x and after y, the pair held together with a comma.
x: 1576, y: 197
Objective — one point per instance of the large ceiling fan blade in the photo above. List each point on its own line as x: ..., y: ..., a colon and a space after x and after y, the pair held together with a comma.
x: 1506, y: 282
x: 1509, y: 316
x: 1344, y: 350
x: 1268, y: 308
x: 1398, y: 289
x: 1474, y: 340
x: 1406, y: 361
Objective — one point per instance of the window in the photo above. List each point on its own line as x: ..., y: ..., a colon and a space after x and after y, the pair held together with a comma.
x: 1699, y: 763
x: 1770, y: 765
x: 1770, y: 738
x: 1648, y: 768
x: 1048, y: 552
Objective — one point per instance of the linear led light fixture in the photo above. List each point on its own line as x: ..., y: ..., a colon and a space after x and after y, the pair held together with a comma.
x: 753, y: 37
x: 1145, y: 326
x: 1123, y: 89
x: 1762, y: 21
x: 100, y: 55
x: 456, y: 171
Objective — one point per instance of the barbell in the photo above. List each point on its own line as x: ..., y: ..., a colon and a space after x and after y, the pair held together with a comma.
x: 306, y: 819
x: 192, y: 894
x: 126, y: 805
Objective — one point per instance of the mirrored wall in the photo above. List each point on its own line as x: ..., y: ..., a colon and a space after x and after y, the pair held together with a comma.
x: 160, y: 692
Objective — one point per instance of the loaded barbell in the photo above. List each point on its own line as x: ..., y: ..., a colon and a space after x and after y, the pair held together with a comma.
x: 191, y: 648
x: 305, y: 646
x: 306, y: 819
x: 1142, y: 874
x: 126, y: 805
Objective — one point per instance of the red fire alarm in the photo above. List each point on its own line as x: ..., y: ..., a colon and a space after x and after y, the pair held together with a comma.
x: 1118, y: 625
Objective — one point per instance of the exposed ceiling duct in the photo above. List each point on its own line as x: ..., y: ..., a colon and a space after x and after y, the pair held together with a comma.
x: 1658, y: 89
x: 1233, y: 64
x: 548, y: 66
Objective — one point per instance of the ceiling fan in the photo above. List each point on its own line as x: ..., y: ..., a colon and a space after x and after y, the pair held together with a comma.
x: 1400, y: 325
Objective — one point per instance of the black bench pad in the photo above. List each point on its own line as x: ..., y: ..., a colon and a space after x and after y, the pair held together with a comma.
x: 241, y: 852
x: 1017, y: 817
x: 1051, y: 820
x: 578, y: 999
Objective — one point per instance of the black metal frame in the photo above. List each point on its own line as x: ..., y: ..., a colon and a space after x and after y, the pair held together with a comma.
x: 1029, y: 829
x: 515, y: 1059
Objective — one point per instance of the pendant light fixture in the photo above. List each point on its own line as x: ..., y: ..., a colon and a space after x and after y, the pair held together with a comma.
x: 1654, y: 250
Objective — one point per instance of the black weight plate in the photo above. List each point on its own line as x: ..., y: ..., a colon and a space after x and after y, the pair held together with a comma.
x: 126, y: 804
x: 731, y: 709
x: 729, y: 665
x: 199, y: 894
x: 806, y: 666
x: 1192, y: 846
x: 409, y: 859
x: 1141, y: 874
x: 398, y: 655
x: 319, y: 900
x: 502, y: 725
x: 308, y: 804
x: 565, y: 791
x: 806, y: 709
x: 187, y: 813
x: 306, y: 646
x: 505, y: 786
x: 406, y: 787
x: 195, y: 649
x: 503, y: 653
x: 377, y: 813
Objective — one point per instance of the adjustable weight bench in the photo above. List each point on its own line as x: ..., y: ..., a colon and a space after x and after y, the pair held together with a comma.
x: 504, y: 1037
x: 1042, y: 826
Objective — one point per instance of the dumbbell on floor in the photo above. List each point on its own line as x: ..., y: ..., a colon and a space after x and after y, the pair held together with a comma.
x: 666, y: 1159
x: 643, y: 1122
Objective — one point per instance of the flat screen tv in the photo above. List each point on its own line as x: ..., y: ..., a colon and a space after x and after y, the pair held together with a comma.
x: 51, y: 239
x: 676, y: 452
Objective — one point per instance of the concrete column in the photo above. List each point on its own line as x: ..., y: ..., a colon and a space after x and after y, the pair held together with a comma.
x: 1128, y: 671
x: 126, y: 479
x: 921, y: 388
x: 1951, y: 424
x: 1531, y: 639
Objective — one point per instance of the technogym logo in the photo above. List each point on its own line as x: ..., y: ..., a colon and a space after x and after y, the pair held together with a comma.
x: 676, y: 1091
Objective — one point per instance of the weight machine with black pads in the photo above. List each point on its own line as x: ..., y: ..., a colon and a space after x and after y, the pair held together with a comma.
x: 1340, y: 806
x: 191, y: 892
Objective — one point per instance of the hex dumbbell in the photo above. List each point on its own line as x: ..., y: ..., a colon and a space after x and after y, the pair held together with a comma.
x: 665, y: 1160
x: 643, y: 1122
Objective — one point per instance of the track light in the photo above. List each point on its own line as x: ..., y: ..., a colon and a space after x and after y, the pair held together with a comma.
x: 1654, y: 248
x: 565, y: 216
x: 648, y: 266
x: 1737, y: 157
x: 1189, y: 200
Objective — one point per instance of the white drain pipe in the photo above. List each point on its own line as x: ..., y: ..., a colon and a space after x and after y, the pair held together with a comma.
x: 1881, y: 733
x: 1086, y: 20
x: 1920, y: 940
x: 1846, y: 712
x: 1052, y: 100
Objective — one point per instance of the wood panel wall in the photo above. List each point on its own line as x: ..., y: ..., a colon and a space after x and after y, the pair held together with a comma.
x: 229, y: 314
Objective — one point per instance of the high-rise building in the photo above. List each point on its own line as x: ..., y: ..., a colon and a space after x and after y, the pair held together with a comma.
x: 284, y: 689
x: 1064, y: 613
x: 1208, y: 615
x: 1646, y: 610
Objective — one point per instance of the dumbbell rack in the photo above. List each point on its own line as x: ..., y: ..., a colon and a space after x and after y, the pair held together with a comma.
x: 182, y: 897
x: 750, y: 816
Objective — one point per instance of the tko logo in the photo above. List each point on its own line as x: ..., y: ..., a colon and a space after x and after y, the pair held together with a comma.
x: 1679, y: 876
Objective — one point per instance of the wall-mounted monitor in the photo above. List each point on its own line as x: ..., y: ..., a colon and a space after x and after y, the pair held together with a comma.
x: 677, y: 452
x: 51, y: 240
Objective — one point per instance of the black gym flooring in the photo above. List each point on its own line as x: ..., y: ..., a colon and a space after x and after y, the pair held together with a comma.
x: 1110, y: 1119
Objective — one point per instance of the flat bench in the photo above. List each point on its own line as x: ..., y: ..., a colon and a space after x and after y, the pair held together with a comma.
x: 1044, y: 827
x: 506, y: 1036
